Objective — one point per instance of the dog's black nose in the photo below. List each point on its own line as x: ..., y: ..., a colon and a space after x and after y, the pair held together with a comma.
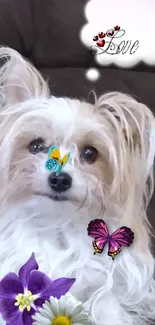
x: 60, y: 183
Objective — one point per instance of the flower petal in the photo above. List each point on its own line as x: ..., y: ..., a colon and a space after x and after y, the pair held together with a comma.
x: 55, y: 306
x: 58, y: 288
x: 8, y: 309
x: 39, y: 302
x: 46, y: 312
x: 77, y: 310
x: 16, y: 320
x: 81, y: 319
x: 10, y: 286
x: 48, y: 309
x: 26, y: 269
x: 38, y: 282
x: 27, y: 317
x: 38, y: 323
x: 42, y: 319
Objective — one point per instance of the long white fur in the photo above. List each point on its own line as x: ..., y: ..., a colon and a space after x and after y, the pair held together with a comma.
x: 117, y: 188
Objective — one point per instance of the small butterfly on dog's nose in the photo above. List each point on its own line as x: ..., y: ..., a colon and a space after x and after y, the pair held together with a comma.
x: 55, y: 162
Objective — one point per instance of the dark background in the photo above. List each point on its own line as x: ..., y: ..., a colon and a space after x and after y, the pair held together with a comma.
x: 47, y: 33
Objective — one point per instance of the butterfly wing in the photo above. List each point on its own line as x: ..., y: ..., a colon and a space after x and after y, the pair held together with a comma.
x: 58, y: 169
x: 121, y: 237
x: 53, y: 158
x: 51, y: 164
x: 54, y: 153
x: 65, y: 159
x: 98, y: 230
x: 62, y: 163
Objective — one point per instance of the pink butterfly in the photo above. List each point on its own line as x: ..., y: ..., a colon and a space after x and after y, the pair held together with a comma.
x: 99, y: 231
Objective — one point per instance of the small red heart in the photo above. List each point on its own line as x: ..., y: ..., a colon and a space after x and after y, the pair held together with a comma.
x: 117, y: 27
x: 95, y: 38
x: 101, y: 35
x: 111, y: 33
x: 101, y: 43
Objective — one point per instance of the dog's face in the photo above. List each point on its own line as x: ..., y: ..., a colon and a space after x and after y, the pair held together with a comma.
x: 74, y: 127
x: 107, y: 140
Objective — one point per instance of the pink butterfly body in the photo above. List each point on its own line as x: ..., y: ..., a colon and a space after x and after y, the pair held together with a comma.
x: 99, y: 231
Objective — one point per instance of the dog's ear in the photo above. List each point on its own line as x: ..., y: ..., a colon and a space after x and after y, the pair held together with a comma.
x: 132, y: 129
x: 133, y: 119
x: 19, y: 80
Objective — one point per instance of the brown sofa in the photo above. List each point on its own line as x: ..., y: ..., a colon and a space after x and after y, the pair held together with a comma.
x: 47, y: 33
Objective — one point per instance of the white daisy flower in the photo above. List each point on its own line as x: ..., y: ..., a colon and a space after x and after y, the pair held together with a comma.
x: 64, y: 311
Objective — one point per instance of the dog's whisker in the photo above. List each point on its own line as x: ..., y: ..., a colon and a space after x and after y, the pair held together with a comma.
x: 84, y: 199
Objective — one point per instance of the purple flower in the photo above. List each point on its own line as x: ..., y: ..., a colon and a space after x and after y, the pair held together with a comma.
x: 20, y: 296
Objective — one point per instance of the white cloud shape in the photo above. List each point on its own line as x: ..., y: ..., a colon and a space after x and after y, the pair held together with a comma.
x: 135, y: 17
x: 92, y: 74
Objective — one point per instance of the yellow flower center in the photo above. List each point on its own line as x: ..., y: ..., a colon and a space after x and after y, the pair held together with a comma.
x: 24, y: 300
x: 61, y: 320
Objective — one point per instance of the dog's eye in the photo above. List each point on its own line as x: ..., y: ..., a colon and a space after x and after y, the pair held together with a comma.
x: 89, y: 154
x: 36, y: 146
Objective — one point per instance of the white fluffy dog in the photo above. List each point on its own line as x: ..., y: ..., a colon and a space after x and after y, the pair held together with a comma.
x: 109, y: 176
